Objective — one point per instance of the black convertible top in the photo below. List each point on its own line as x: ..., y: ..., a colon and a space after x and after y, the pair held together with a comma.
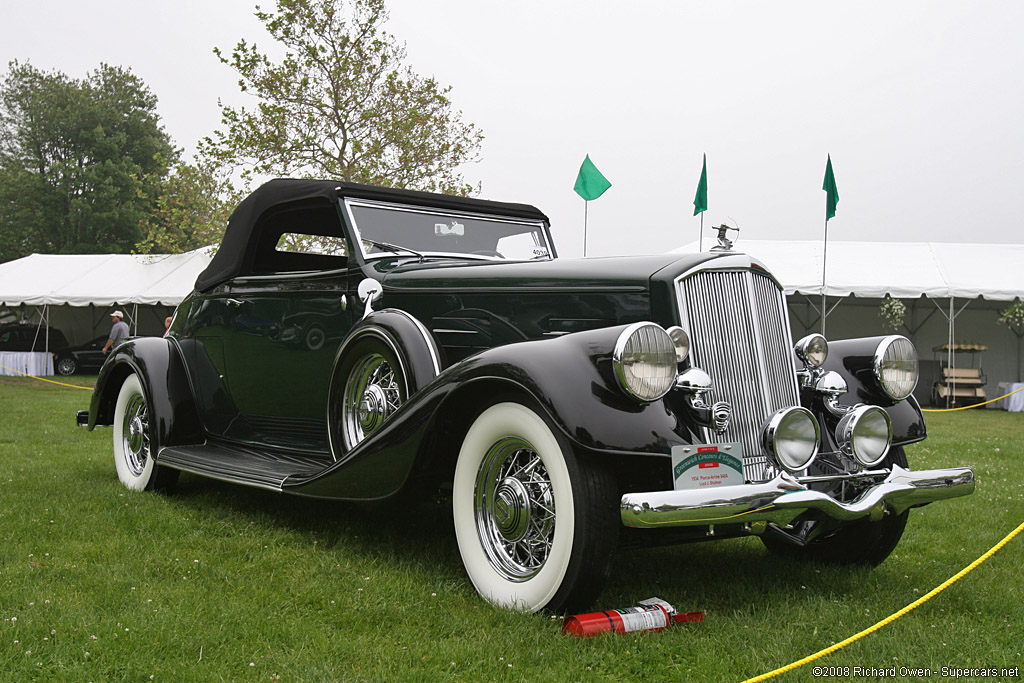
x: 228, y: 261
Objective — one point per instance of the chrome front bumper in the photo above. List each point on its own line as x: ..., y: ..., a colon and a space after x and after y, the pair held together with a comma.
x: 785, y: 498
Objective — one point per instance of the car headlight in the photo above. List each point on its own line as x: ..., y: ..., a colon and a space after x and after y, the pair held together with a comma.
x: 865, y: 433
x: 644, y: 359
x: 791, y: 436
x: 812, y: 350
x: 681, y: 341
x: 895, y: 366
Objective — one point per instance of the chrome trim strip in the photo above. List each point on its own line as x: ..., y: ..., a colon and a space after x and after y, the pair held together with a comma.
x: 427, y: 337
x: 350, y: 202
x: 776, y: 501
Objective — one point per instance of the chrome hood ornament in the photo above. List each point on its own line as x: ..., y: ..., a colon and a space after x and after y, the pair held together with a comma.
x: 724, y: 243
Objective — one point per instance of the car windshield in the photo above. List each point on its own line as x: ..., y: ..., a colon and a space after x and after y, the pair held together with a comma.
x: 387, y: 230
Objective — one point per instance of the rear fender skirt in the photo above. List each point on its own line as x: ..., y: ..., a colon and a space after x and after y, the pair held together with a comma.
x: 159, y: 365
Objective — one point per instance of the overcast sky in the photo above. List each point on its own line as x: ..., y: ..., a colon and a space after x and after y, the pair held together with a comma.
x: 919, y: 104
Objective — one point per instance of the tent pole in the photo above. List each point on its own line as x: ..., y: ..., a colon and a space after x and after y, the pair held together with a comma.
x: 950, y: 358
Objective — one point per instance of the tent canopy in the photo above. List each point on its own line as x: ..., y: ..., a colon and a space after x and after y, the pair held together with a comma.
x: 102, y: 279
x: 903, y: 270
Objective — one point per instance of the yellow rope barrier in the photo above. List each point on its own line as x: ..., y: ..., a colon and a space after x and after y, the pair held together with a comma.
x: 950, y: 410
x: 73, y: 386
x: 892, y: 617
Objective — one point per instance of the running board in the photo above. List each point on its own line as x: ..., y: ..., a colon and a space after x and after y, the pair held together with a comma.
x: 240, y: 465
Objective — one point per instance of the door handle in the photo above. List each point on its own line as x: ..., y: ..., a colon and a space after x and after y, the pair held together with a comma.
x: 234, y: 302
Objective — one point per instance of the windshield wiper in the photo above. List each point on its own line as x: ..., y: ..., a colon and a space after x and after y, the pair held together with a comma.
x: 394, y: 248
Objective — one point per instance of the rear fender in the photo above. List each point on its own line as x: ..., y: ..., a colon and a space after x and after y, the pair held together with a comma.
x: 415, y: 348
x: 158, y: 363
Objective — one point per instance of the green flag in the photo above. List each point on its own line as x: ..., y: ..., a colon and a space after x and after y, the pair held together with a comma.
x: 590, y: 184
x: 700, y: 201
x: 832, y: 198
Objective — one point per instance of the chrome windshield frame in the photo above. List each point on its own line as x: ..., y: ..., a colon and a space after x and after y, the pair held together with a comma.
x: 348, y: 203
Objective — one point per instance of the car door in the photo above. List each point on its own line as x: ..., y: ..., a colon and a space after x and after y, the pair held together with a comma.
x: 282, y: 324
x: 90, y: 356
x: 279, y: 346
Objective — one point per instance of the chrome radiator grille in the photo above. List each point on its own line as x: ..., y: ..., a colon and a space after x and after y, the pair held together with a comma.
x: 739, y: 334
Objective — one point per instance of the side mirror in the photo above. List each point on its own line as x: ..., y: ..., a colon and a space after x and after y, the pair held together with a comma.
x: 369, y: 290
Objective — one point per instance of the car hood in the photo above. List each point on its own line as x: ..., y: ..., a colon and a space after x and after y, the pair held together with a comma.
x: 618, y: 273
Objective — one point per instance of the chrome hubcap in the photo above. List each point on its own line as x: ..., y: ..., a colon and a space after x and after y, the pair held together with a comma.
x: 514, y: 506
x: 372, y: 408
x: 135, y: 434
x: 372, y: 395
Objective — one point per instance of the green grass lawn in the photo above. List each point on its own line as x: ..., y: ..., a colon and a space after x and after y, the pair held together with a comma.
x: 223, y: 583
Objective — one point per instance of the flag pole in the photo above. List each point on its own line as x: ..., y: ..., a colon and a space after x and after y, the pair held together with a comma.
x: 586, y: 204
x: 700, y: 237
x: 824, y: 257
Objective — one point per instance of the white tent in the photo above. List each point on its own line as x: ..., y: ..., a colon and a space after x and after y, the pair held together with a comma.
x: 953, y: 291
x: 100, y: 280
x: 76, y: 292
x: 903, y: 270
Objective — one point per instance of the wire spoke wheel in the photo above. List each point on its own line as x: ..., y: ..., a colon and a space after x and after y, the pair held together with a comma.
x: 515, y: 509
x: 135, y: 434
x: 536, y: 527
x: 135, y: 444
x: 372, y: 394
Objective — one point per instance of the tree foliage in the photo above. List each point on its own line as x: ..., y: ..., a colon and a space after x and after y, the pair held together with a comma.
x: 1013, y: 317
x: 80, y: 160
x: 191, y: 209
x: 342, y: 104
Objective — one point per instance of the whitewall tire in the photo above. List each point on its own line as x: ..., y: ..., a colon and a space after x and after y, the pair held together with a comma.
x: 134, y: 441
x: 535, y: 529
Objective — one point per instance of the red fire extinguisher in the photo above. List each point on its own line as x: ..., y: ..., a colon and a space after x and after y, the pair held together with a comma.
x: 652, y: 614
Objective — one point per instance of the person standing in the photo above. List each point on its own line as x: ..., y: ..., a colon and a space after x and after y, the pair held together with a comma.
x: 118, y: 332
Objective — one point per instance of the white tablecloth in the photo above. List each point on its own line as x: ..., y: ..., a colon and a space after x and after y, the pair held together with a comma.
x: 37, y: 363
x: 1015, y: 403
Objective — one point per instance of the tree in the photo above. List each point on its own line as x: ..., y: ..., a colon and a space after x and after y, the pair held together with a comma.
x: 342, y: 104
x: 191, y: 209
x: 1013, y: 317
x: 79, y: 160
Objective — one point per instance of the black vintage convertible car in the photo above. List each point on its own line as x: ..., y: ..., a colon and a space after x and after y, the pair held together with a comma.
x: 360, y: 343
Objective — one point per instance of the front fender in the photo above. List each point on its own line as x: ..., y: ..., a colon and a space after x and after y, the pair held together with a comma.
x: 853, y: 359
x: 572, y: 380
x: 158, y: 363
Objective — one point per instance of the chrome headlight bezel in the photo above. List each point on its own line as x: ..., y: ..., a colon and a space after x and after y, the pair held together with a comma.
x: 778, y: 435
x: 647, y: 344
x: 896, y: 354
x: 812, y: 350
x: 865, y: 433
x: 681, y: 340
